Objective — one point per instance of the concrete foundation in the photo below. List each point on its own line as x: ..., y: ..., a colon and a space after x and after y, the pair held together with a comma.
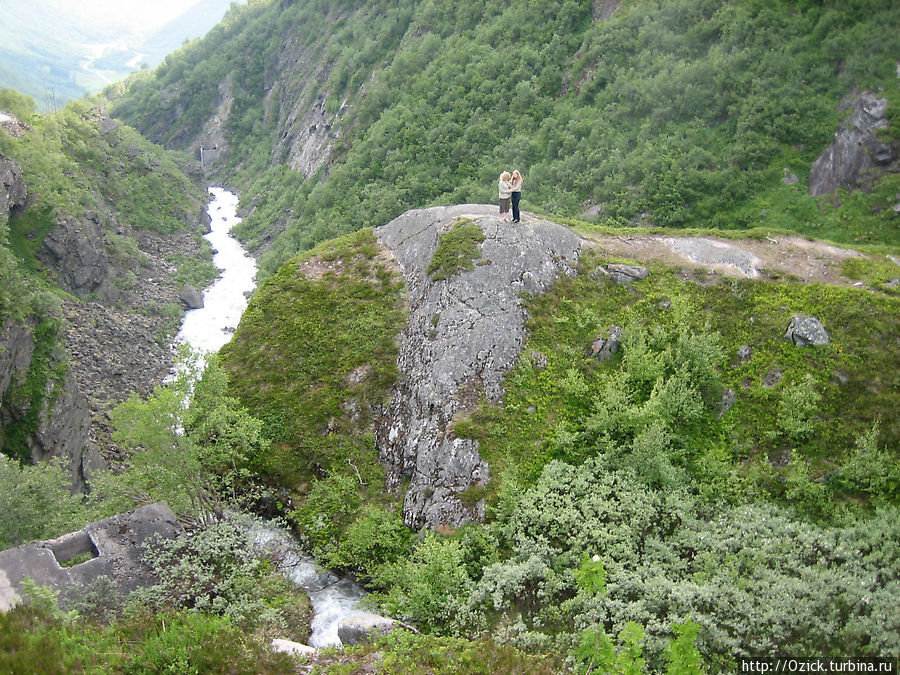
x: 110, y: 547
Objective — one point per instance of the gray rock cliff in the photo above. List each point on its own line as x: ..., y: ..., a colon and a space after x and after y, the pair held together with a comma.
x: 12, y: 188
x: 857, y: 153
x: 74, y: 249
x: 63, y: 420
x: 463, y: 334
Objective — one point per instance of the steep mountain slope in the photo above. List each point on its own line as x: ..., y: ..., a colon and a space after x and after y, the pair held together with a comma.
x: 334, y: 116
x: 99, y: 231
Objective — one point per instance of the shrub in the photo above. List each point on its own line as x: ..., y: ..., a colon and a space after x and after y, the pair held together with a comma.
x: 458, y: 248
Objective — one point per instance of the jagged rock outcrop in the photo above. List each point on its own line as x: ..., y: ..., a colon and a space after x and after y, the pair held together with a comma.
x: 857, y: 152
x: 463, y: 334
x: 74, y: 250
x: 12, y: 187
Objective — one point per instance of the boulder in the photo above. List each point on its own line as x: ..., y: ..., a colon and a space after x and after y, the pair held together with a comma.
x: 364, y: 627
x: 625, y: 274
x: 806, y: 330
x: 603, y: 348
x: 293, y: 648
x: 729, y: 397
x: 744, y: 352
x: 790, y: 178
x: 191, y: 297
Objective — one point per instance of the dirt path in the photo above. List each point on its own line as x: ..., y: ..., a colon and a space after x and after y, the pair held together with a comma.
x: 809, y: 261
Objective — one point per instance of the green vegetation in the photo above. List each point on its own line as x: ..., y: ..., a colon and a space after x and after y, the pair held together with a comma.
x: 71, y: 167
x: 658, y: 404
x: 458, y: 249
x: 675, y: 113
x: 37, y: 637
x: 315, y: 354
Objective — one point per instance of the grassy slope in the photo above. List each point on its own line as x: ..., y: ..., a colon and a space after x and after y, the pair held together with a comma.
x: 314, y: 356
x: 855, y: 376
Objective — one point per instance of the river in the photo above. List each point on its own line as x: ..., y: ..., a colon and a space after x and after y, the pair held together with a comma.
x: 206, y: 330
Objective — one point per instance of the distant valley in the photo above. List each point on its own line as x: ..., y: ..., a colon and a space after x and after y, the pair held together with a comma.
x: 54, y: 52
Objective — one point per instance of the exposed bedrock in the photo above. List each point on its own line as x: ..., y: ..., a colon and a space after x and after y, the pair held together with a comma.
x: 463, y: 334
x: 857, y: 157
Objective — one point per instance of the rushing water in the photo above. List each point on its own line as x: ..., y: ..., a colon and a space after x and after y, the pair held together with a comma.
x: 331, y: 597
x: 206, y: 330
x: 210, y: 327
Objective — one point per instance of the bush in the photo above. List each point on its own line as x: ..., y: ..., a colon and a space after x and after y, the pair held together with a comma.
x: 374, y: 539
x: 458, y: 248
x: 429, y: 588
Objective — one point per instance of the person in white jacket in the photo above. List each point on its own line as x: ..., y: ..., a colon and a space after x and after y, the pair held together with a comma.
x: 503, y: 188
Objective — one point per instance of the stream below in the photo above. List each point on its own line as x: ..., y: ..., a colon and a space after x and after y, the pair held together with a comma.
x: 206, y: 330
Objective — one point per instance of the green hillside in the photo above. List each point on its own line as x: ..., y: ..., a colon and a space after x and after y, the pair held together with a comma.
x: 674, y: 113
x: 73, y: 170
x: 711, y: 491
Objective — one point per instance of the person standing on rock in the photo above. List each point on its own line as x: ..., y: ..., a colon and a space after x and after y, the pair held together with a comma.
x: 515, y: 188
x: 503, y: 188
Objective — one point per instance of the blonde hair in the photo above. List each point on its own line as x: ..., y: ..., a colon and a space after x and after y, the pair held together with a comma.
x: 516, y: 174
x: 504, y: 175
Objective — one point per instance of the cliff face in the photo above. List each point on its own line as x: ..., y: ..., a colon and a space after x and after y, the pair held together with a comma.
x: 857, y: 157
x: 463, y: 334
x: 63, y: 366
x: 12, y: 187
x: 59, y: 426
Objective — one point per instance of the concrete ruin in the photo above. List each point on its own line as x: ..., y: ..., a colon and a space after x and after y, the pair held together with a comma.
x: 110, y: 547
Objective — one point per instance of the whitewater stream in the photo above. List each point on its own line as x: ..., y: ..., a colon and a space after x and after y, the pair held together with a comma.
x: 206, y: 330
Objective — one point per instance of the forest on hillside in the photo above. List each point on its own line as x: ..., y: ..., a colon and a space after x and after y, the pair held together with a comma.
x: 676, y: 113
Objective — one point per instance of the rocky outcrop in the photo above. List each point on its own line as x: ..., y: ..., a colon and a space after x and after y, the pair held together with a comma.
x: 75, y: 250
x: 604, y: 347
x: 363, y: 627
x: 624, y: 274
x: 211, y: 147
x: 12, y: 125
x: 857, y: 155
x: 60, y: 425
x: 12, y: 187
x: 463, y: 334
x: 306, y: 130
